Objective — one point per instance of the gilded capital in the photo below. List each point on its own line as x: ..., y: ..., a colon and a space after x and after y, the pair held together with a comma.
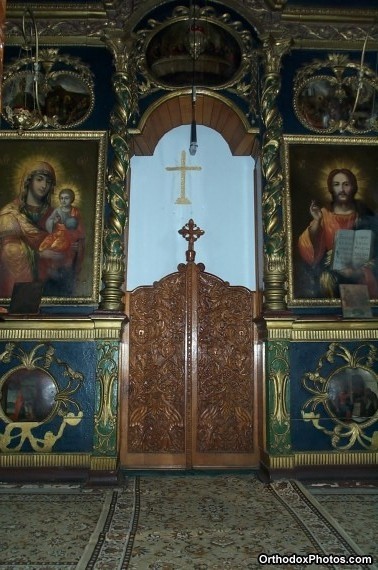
x: 121, y: 46
x: 273, y: 51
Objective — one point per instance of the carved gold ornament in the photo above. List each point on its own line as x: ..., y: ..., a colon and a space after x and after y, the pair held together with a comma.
x: 31, y: 398
x: 336, y: 95
x: 57, y: 91
x: 348, y: 396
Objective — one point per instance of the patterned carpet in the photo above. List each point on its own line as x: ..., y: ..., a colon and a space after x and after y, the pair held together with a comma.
x: 201, y: 522
x: 354, y: 509
x: 63, y: 527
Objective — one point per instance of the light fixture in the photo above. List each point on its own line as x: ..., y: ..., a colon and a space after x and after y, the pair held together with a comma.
x: 371, y: 87
x: 21, y: 107
x: 196, y: 42
x: 43, y: 88
x: 193, y: 128
x: 197, y: 37
x: 363, y: 89
x: 337, y: 94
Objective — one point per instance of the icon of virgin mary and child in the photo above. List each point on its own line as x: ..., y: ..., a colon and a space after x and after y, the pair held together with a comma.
x: 38, y: 242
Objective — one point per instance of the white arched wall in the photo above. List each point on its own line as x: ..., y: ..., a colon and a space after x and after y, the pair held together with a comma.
x: 221, y: 196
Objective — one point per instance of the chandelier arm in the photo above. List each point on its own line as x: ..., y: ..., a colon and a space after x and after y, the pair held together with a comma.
x: 360, y: 75
x: 36, y: 62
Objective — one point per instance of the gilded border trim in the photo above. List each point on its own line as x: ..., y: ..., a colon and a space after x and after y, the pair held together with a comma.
x: 41, y: 460
x: 103, y: 463
x: 63, y: 329
x: 321, y: 459
x: 321, y: 330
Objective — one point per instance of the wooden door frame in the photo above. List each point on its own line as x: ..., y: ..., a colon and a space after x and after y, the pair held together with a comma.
x: 220, y: 114
x: 212, y: 110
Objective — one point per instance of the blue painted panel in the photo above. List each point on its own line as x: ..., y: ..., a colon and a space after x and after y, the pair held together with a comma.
x: 352, y: 363
x: 77, y: 395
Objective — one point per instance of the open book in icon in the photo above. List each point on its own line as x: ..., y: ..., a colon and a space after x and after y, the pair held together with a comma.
x: 352, y: 248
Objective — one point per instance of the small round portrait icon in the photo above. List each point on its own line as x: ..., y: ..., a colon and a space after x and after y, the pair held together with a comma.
x: 353, y: 395
x: 28, y: 395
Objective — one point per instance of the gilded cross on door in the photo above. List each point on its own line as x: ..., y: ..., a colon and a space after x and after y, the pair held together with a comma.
x: 183, y: 168
x: 191, y: 232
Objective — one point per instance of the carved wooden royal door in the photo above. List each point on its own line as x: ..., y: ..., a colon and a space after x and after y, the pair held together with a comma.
x: 189, y: 397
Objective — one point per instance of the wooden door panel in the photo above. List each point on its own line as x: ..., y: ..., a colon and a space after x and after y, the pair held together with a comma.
x: 190, y: 392
x: 155, y: 406
x: 225, y: 383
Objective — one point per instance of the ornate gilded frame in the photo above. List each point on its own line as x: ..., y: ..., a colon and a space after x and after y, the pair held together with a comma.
x: 344, y: 388
x: 30, y: 396
x: 336, y: 94
x: 78, y: 159
x: 307, y: 163
x: 62, y: 97
x: 185, y: 63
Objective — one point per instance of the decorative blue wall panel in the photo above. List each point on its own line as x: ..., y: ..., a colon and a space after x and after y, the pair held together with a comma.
x: 47, y: 396
x: 334, y: 395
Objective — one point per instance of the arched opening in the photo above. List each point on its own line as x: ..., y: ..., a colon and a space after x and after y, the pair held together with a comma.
x: 212, y: 110
x: 170, y: 187
x: 190, y: 365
